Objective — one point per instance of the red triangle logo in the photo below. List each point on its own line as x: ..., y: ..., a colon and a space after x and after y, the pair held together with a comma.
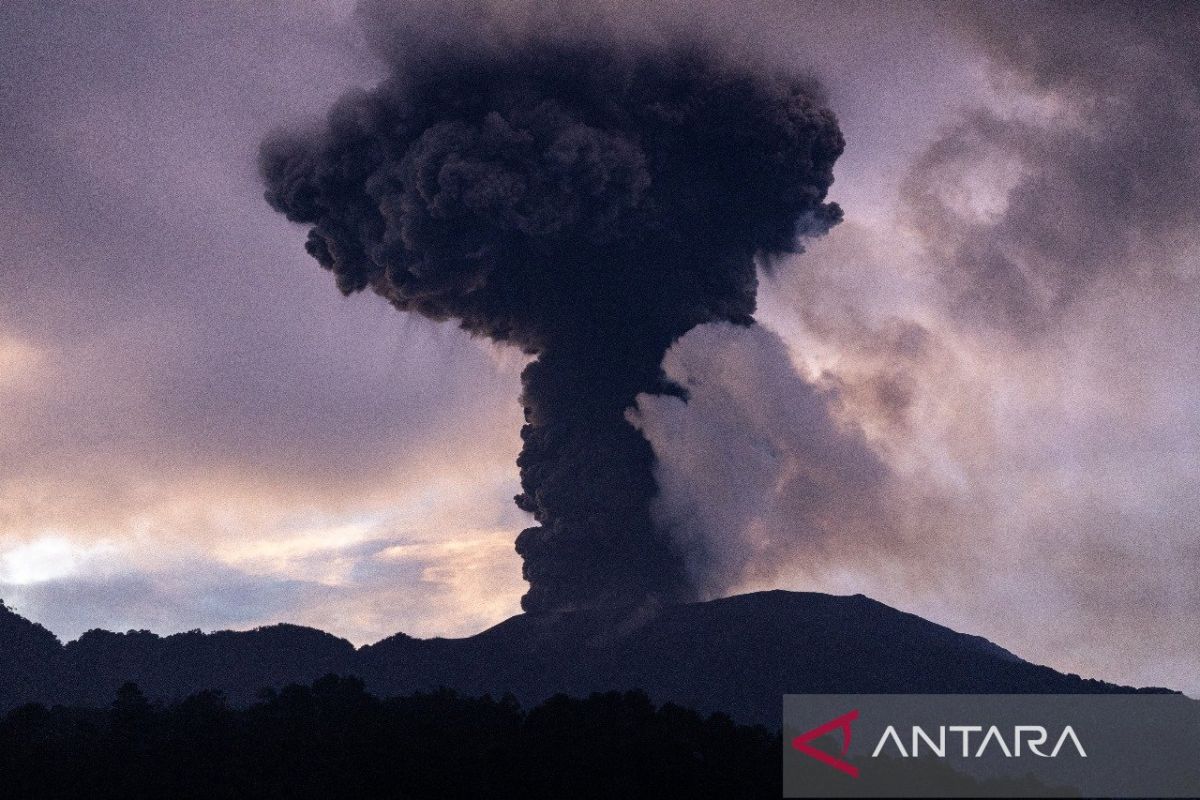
x: 801, y: 743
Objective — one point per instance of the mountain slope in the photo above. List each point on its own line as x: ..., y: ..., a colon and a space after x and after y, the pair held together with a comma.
x: 29, y: 660
x: 737, y: 655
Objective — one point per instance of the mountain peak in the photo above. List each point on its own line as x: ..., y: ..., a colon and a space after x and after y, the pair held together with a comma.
x: 738, y: 655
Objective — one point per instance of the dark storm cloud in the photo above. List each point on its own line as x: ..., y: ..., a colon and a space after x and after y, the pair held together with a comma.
x: 1099, y: 174
x: 589, y: 203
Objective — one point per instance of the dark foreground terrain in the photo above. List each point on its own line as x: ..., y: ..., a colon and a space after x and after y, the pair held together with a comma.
x: 334, y: 740
x: 737, y: 656
x: 264, y: 713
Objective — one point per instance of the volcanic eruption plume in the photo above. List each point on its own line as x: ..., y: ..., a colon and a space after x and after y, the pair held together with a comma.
x: 589, y: 204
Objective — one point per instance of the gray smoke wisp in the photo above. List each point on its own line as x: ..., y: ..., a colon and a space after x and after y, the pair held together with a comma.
x: 1087, y: 183
x: 588, y: 203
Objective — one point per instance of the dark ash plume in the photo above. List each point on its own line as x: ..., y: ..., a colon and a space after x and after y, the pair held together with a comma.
x: 590, y: 205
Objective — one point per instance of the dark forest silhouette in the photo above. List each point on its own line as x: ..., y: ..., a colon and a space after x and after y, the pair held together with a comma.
x: 334, y: 739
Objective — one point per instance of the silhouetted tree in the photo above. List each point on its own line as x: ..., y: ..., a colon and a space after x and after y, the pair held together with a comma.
x: 334, y: 739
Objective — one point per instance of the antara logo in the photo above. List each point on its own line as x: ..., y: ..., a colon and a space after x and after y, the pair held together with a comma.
x: 801, y: 743
x: 1033, y: 737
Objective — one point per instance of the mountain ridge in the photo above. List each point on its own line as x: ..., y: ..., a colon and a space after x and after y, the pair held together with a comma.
x: 736, y: 655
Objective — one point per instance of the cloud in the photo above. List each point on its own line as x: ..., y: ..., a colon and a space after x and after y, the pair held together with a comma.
x: 1080, y: 177
x: 1042, y: 253
x: 762, y: 476
x: 365, y: 591
x: 161, y: 341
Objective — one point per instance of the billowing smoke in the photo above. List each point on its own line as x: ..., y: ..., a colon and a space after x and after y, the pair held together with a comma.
x: 756, y: 473
x: 589, y: 204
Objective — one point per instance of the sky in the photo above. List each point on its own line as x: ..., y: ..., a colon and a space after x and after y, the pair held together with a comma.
x: 975, y: 399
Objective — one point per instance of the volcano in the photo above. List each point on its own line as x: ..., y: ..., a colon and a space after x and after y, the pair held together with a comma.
x: 736, y: 655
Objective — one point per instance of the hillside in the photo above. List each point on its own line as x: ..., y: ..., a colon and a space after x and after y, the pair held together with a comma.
x: 737, y: 655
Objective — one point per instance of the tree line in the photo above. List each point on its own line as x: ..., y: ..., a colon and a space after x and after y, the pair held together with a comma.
x: 334, y: 739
